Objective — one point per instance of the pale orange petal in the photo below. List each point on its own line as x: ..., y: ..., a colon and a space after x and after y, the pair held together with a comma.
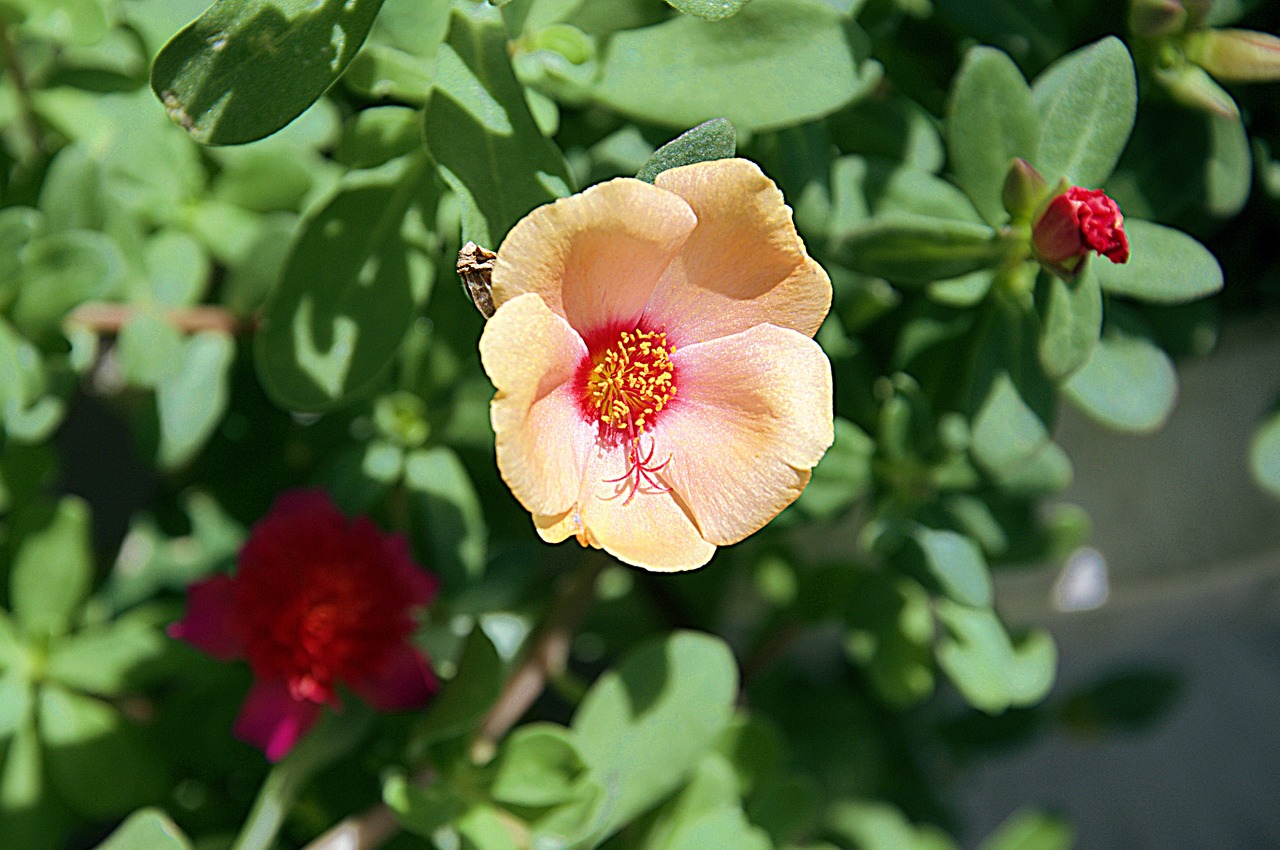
x: 753, y: 418
x: 530, y: 354
x: 554, y: 529
x: 744, y: 264
x: 595, y: 257
x: 654, y: 530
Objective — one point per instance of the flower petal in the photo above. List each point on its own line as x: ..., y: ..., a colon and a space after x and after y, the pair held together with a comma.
x: 208, y: 624
x: 753, y: 418
x: 530, y: 354
x: 404, y: 680
x: 744, y: 264
x: 595, y: 257
x: 558, y: 527
x: 418, y: 586
x: 654, y: 530
x: 272, y: 720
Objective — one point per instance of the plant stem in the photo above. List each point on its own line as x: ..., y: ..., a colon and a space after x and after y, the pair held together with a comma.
x: 109, y: 318
x: 332, y: 738
x: 545, y: 660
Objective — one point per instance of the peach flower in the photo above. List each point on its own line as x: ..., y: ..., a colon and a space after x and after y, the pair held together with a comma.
x: 659, y: 392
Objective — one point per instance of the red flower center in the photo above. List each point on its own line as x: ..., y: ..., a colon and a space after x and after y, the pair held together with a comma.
x: 626, y: 381
x: 336, y: 613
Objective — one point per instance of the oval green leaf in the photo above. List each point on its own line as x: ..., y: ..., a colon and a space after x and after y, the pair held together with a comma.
x: 348, y: 293
x: 991, y: 119
x: 483, y: 137
x: 1129, y: 384
x: 246, y: 68
x: 774, y: 64
x: 1166, y: 266
x: 714, y: 139
x: 1087, y: 100
x: 919, y: 249
x: 1264, y: 456
x: 686, y: 682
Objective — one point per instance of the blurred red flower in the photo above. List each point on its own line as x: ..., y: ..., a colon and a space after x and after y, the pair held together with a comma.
x: 317, y: 600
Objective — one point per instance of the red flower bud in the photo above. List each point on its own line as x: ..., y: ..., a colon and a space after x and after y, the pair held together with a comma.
x: 1076, y: 222
x: 318, y: 601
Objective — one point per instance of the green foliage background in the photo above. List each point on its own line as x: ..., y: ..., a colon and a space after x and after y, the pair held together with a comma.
x: 227, y: 246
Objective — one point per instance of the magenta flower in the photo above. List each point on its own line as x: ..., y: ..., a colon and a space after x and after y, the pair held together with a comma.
x: 1076, y: 222
x: 317, y: 601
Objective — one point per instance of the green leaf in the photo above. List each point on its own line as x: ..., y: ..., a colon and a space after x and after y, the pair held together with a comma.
x: 375, y: 136
x: 348, y: 293
x: 28, y: 415
x: 1087, y: 102
x: 956, y: 562
x: 191, y: 400
x: 465, y: 698
x: 450, y: 509
x: 484, y: 140
x: 890, y: 632
x: 1032, y: 830
x: 919, y: 249
x: 1165, y: 266
x: 62, y: 270
x: 986, y: 666
x: 873, y: 825
x: 421, y: 810
x: 1129, y: 384
x: 539, y: 765
x: 482, y: 827
x: 1264, y: 455
x: 991, y: 119
x: 842, y: 477
x: 1071, y: 319
x: 714, y: 139
x: 894, y: 187
x: 624, y: 725
x: 77, y: 22
x: 1007, y: 432
x: 16, y: 698
x: 146, y: 829
x: 774, y: 64
x: 95, y: 762
x: 755, y: 749
x: 21, y: 773
x: 150, y: 349
x: 709, y: 10
x: 177, y: 269
x: 52, y: 571
x: 101, y: 661
x: 724, y: 827
x: 210, y: 75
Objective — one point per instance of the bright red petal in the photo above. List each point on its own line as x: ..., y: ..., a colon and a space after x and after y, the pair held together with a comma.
x: 208, y: 623
x: 272, y: 720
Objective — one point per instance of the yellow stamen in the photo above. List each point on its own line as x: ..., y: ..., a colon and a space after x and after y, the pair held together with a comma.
x: 632, y: 380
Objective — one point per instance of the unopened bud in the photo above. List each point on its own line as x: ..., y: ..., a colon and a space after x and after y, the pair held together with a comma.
x: 1024, y: 190
x: 1155, y: 18
x: 1076, y: 222
x: 1237, y: 56
x: 1189, y: 85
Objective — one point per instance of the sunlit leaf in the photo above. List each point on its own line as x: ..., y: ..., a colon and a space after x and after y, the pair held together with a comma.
x: 209, y: 76
x: 799, y: 66
x: 1087, y: 103
x: 354, y: 277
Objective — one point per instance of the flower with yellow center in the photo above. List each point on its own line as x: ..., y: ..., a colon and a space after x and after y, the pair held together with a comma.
x: 659, y: 392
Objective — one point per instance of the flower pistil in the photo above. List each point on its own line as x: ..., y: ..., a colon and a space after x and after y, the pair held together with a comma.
x: 629, y: 384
